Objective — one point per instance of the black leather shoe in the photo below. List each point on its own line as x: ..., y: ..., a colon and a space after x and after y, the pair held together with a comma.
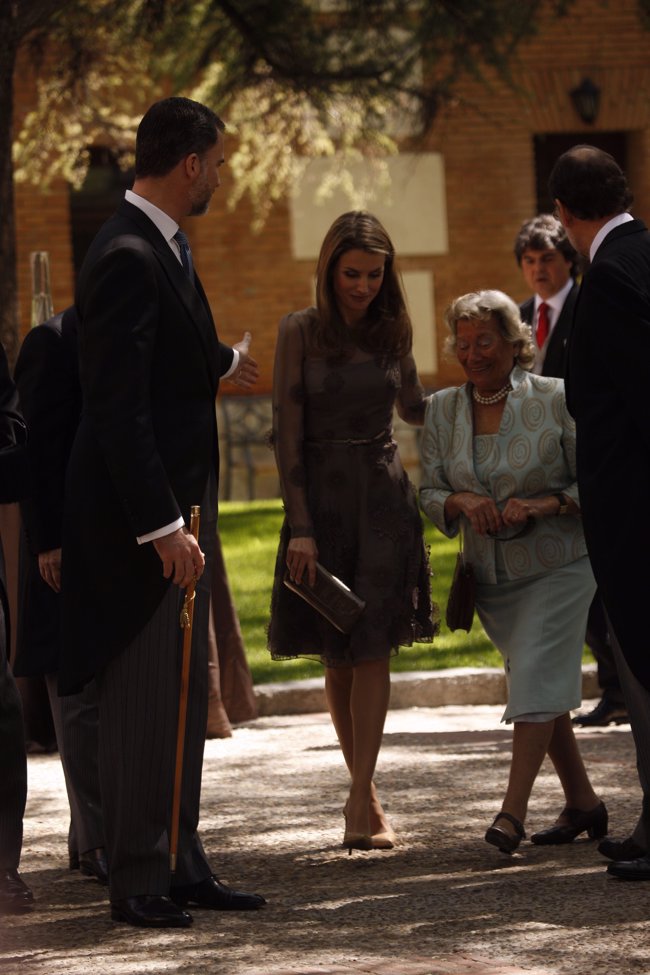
x: 93, y: 863
x: 605, y: 713
x: 73, y: 860
x: 625, y: 849
x: 504, y: 841
x: 594, y: 823
x: 215, y: 896
x: 15, y: 895
x: 638, y: 869
x: 150, y: 911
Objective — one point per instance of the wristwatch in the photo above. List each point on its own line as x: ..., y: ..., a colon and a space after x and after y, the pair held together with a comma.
x: 564, y: 504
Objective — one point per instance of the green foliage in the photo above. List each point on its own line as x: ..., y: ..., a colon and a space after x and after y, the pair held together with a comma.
x: 249, y: 534
x: 295, y: 80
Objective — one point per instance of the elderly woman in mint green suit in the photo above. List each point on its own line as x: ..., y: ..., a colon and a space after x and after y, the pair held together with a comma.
x: 498, y: 459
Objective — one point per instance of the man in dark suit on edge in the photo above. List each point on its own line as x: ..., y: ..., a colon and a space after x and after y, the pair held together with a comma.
x: 548, y: 263
x: 15, y: 895
x: 608, y: 376
x: 47, y: 378
x: 146, y: 450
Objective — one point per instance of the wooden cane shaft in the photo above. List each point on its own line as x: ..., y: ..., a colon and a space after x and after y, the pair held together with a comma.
x: 188, y: 616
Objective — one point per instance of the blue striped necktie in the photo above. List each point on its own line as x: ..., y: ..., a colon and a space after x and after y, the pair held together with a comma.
x: 186, y: 253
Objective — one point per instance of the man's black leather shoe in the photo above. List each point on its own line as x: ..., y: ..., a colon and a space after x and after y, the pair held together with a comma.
x: 93, y: 863
x: 15, y: 895
x: 215, y: 896
x: 638, y: 869
x: 150, y: 911
x: 605, y: 713
x: 618, y: 850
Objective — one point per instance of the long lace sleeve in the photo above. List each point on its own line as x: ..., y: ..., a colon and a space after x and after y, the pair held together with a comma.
x: 411, y: 400
x: 288, y: 424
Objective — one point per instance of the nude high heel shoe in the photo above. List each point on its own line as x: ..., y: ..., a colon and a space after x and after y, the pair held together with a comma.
x: 383, y: 841
x: 354, y: 841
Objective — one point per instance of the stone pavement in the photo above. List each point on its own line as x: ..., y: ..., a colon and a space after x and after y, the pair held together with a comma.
x: 442, y: 903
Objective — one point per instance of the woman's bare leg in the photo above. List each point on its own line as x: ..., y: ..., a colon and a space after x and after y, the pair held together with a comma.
x: 530, y: 742
x: 564, y: 753
x: 358, y: 701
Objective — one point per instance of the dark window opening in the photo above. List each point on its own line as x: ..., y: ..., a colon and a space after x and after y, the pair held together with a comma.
x: 96, y: 200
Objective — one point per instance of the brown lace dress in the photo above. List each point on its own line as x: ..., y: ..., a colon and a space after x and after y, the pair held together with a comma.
x: 343, y: 482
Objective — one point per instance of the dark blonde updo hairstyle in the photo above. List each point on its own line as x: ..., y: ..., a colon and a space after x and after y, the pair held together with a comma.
x: 387, y: 326
x: 484, y: 305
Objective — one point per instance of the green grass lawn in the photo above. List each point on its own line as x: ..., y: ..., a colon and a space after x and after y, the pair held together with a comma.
x: 249, y: 534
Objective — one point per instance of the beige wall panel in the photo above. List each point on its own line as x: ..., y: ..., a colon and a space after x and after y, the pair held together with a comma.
x: 418, y: 286
x: 413, y: 209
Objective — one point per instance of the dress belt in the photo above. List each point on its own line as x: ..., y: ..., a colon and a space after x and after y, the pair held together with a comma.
x: 386, y: 436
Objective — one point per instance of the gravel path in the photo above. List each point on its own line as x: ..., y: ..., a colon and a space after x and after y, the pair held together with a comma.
x: 442, y: 903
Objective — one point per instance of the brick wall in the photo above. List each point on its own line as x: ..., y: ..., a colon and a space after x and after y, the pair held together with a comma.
x: 486, y: 138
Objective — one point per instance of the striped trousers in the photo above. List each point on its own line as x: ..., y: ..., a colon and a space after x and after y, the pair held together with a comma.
x: 138, y: 715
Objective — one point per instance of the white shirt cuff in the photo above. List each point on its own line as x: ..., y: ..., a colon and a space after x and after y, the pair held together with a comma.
x: 160, y: 532
x: 233, y: 364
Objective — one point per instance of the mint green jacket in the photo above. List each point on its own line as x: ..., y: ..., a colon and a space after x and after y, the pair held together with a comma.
x: 536, y: 457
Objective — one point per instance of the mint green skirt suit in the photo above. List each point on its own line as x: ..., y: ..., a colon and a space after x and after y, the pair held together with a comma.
x: 534, y: 591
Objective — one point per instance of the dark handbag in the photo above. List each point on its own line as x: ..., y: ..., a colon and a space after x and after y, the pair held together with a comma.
x: 462, y: 595
x: 330, y: 597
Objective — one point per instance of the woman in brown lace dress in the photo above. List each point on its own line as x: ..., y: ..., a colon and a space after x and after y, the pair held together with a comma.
x: 340, y: 369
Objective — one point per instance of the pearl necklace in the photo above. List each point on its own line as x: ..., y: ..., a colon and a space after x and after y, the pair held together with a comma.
x: 490, y: 400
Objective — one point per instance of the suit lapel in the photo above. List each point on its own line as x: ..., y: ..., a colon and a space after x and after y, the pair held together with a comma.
x: 193, y: 297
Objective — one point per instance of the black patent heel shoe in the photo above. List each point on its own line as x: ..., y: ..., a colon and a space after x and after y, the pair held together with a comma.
x: 593, y: 823
x: 503, y: 840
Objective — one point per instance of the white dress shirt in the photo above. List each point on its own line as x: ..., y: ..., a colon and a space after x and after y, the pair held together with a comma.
x: 616, y: 221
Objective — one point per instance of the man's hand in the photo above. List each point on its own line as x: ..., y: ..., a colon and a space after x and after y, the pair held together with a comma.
x: 49, y: 565
x: 182, y: 559
x: 247, y: 373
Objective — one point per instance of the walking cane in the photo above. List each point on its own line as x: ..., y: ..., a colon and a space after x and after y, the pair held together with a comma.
x: 187, y: 616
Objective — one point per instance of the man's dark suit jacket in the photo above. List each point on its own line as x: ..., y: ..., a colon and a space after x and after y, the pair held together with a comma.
x: 555, y: 358
x: 150, y: 364
x: 47, y: 377
x: 14, y: 484
x: 608, y: 378
x: 15, y: 479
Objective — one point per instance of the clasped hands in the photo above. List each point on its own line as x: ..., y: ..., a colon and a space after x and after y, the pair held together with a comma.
x: 485, y: 517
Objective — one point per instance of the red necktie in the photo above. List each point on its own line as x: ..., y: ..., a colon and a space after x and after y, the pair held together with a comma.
x: 542, y: 325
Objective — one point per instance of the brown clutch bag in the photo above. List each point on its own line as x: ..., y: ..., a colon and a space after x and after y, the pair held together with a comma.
x: 330, y: 597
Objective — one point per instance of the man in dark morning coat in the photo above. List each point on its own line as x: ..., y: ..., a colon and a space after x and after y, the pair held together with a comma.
x: 15, y: 895
x: 146, y: 450
x: 608, y: 377
x: 548, y: 263
x: 47, y: 377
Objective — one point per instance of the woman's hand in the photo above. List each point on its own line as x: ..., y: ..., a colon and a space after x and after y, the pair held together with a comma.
x: 518, y: 510
x: 302, y: 555
x: 481, y: 511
